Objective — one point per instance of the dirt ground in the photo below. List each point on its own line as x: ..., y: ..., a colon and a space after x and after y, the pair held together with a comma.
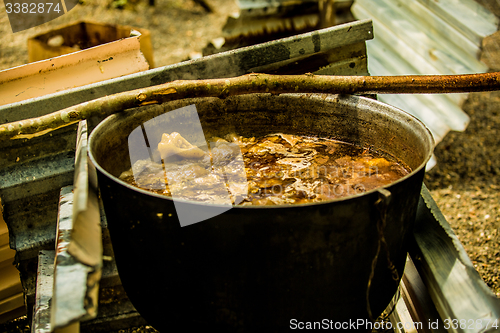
x: 465, y: 183
x: 178, y: 27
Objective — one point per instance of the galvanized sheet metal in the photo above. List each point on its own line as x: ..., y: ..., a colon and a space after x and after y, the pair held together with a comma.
x: 427, y: 37
x: 44, y: 286
x: 467, y: 16
x: 456, y: 289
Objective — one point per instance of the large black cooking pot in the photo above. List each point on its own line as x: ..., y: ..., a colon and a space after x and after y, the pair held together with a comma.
x: 268, y: 268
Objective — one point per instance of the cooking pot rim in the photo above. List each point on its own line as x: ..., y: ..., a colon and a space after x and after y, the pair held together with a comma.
x: 344, y: 97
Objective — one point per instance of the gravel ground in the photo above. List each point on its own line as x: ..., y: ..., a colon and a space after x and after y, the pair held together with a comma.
x: 465, y: 183
x: 178, y: 27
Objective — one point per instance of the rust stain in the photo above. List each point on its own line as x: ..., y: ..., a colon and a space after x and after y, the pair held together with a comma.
x: 432, y: 55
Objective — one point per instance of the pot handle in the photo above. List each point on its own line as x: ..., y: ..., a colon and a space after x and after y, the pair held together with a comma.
x: 382, y: 204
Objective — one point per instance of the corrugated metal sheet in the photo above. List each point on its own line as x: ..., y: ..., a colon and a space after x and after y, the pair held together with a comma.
x: 427, y: 37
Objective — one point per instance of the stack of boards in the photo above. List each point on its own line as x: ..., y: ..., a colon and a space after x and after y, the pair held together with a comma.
x: 11, y: 291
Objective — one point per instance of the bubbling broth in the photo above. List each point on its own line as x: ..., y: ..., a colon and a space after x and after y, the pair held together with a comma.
x: 276, y: 169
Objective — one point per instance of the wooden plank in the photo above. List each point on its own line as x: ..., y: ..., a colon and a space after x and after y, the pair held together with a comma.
x: 454, y: 286
x: 6, y: 253
x: 76, y: 69
x: 10, y: 283
x: 96, y: 34
x: 11, y: 303
x: 11, y: 315
x: 4, y: 231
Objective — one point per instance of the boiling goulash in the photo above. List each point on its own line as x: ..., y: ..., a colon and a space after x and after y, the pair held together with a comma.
x: 276, y: 169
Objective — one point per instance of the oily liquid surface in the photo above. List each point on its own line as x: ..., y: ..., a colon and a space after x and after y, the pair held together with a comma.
x: 276, y: 169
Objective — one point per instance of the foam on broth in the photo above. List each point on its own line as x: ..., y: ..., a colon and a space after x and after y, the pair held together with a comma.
x: 276, y: 169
